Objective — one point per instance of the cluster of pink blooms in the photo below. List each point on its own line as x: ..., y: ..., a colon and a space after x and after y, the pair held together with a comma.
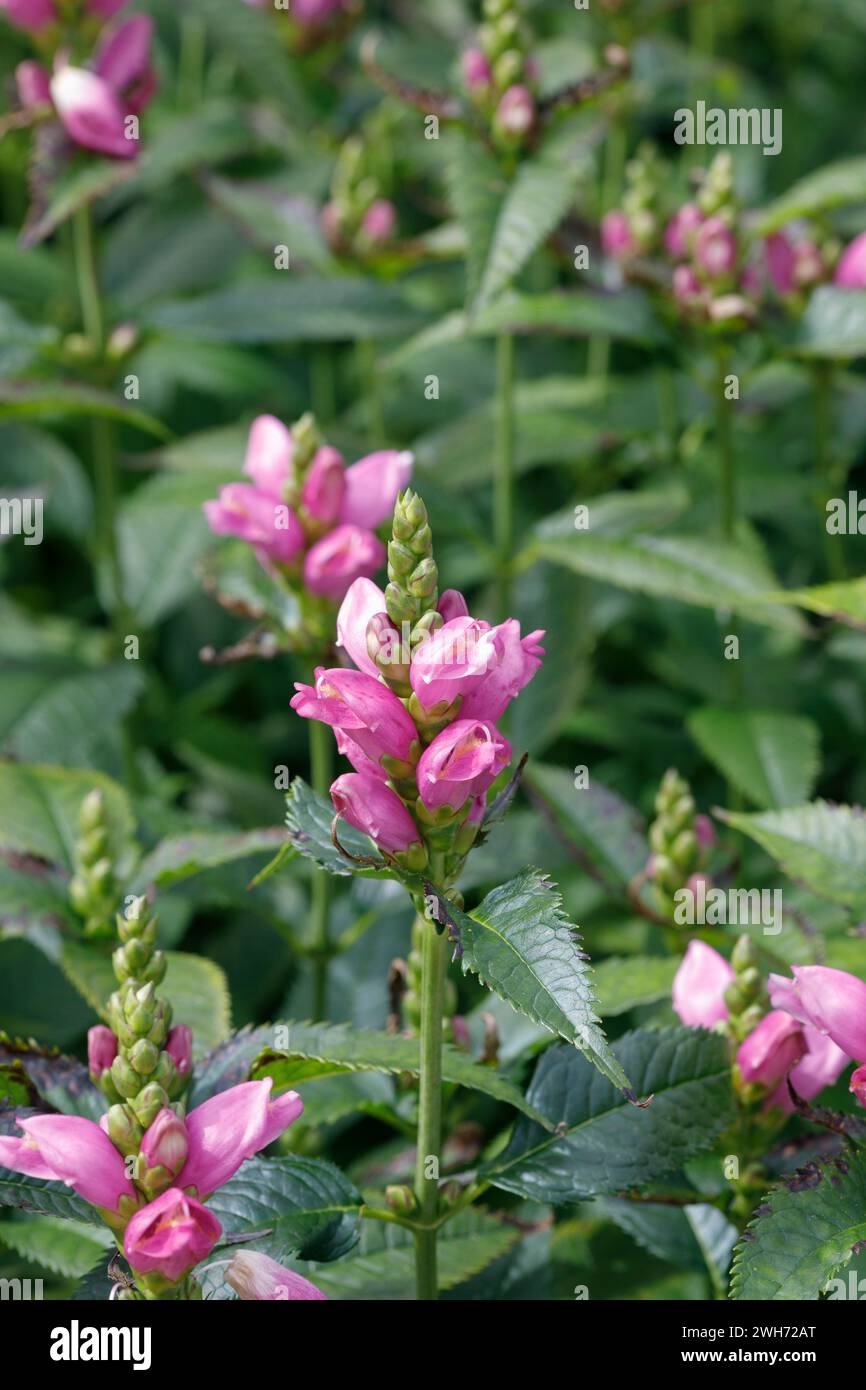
x: 196, y: 1155
x: 796, y: 261
x: 500, y: 76
x: 816, y: 1027
x: 94, y: 103
x: 461, y: 677
x: 310, y: 517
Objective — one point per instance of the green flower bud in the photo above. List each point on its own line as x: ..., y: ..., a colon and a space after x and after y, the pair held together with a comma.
x: 125, y: 1078
x: 143, y: 1056
x: 92, y: 813
x: 124, y: 1131
x: 401, y: 1199
x: 148, y: 1103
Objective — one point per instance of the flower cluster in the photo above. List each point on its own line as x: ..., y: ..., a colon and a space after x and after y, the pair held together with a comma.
x: 148, y: 1166
x: 816, y: 1026
x: 309, y: 517
x: 500, y: 77
x: 679, y: 839
x: 712, y: 281
x: 97, y: 101
x: 417, y: 716
x: 357, y: 220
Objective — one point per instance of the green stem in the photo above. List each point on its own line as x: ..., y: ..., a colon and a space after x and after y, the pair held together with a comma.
x: 368, y: 380
x: 828, y: 477
x: 503, y: 483
x: 725, y: 444
x: 429, y: 1108
x: 322, y: 385
x: 321, y: 756
x: 191, y: 62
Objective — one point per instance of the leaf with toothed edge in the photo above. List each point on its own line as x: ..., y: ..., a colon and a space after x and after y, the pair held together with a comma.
x: 309, y: 818
x: 521, y: 945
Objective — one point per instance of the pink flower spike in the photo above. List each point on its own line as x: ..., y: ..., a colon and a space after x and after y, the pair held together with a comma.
x: 851, y: 270
x: 681, y: 228
x: 363, y: 601
x: 461, y: 763
x: 324, y: 486
x: 256, y: 1276
x: 91, y: 112
x: 170, y: 1235
x: 373, y: 485
x: 771, y: 1050
x: 698, y: 994
x: 268, y: 459
x: 230, y: 1127
x: 831, y: 1001
x: 81, y: 1156
x: 518, y: 659
x: 242, y: 510
x: 369, y: 805
x: 362, y: 707
x: 345, y: 554
x: 452, y: 661
x: 616, y: 237
x: 821, y: 1064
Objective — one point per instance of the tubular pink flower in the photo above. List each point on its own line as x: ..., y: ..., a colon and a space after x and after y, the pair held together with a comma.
x: 452, y: 604
x: 345, y: 554
x: 73, y: 1151
x: 268, y: 459
x: 122, y: 60
x: 373, y: 485
x: 821, y: 1064
x: 33, y: 85
x: 179, y: 1047
x: 715, y: 248
x: 681, y: 229
x: 698, y: 994
x: 831, y: 1001
x: 363, y: 601
x: 857, y: 1086
x: 379, y: 221
x: 781, y: 260
x: 518, y: 659
x: 771, y: 1050
x: 851, y: 270
x: 166, y: 1143
x: 357, y: 757
x: 515, y: 114
x: 29, y: 14
x: 461, y: 763
x: 324, y: 486
x: 91, y: 112
x: 372, y: 807
x: 242, y: 510
x: 256, y: 1276
x: 616, y: 237
x: 315, y: 12
x: 452, y: 661
x: 101, y: 1049
x: 363, y: 708
x: 686, y: 285
x: 170, y: 1235
x: 477, y: 73
x: 230, y: 1127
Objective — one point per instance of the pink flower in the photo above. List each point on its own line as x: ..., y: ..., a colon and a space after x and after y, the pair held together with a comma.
x: 771, y: 1049
x: 821, y: 1064
x: 452, y: 604
x: 698, y: 994
x: 361, y: 707
x: 781, y: 261
x: 461, y: 763
x: 452, y: 661
x: 122, y: 60
x: 256, y: 1276
x: 851, y: 270
x: 101, y: 1049
x: 705, y: 832
x: 372, y: 487
x: 379, y: 221
x: 231, y: 1127
x: 339, y: 558
x: 170, y: 1235
x: 681, y: 228
x: 518, y: 659
x: 363, y: 601
x: 325, y: 486
x: 616, y: 237
x: 242, y: 511
x: 831, y: 1001
x: 477, y: 73
x: 515, y: 114
x: 686, y: 285
x: 166, y: 1143
x: 33, y: 84
x: 315, y: 12
x: 179, y: 1047
x: 71, y: 1150
x: 268, y: 459
x: 105, y: 8
x: 372, y: 807
x: 29, y: 14
x: 715, y: 248
x: 858, y: 1085
x: 91, y: 112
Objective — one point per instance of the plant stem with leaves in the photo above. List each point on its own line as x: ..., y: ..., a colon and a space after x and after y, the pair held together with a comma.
x: 321, y: 761
x: 429, y: 1109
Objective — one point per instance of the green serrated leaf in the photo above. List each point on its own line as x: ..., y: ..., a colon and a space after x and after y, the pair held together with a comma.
x: 771, y: 757
x: 475, y: 187
x: 607, y: 1145
x: 309, y: 1208
x: 520, y: 944
x: 820, y: 845
x: 66, y: 1247
x: 804, y: 1232
x: 533, y: 205
x: 328, y: 1049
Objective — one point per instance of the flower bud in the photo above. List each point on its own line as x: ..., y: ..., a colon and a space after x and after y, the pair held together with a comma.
x: 148, y: 1103
x: 179, y: 1047
x: 101, y: 1050
x: 254, y: 1276
x: 166, y: 1143
x: 401, y: 1199
x: 143, y: 1057
x: 124, y: 1131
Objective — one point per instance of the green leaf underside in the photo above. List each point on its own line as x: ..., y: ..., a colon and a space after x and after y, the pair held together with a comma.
x: 520, y: 944
x: 804, y: 1232
x: 309, y: 818
x: 317, y: 1050
x: 608, y: 1146
x: 182, y: 856
x: 820, y: 845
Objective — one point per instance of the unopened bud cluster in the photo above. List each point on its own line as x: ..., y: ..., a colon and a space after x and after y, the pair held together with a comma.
x: 746, y: 996
x: 500, y: 76
x: 678, y: 838
x: 358, y: 220
x: 93, y: 890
